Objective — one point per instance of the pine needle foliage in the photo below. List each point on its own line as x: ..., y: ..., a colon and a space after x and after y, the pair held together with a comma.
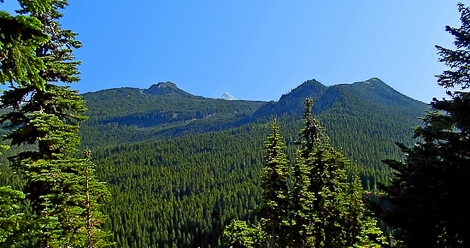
x: 43, y: 117
x: 275, y: 179
x: 427, y: 208
x: 20, y: 37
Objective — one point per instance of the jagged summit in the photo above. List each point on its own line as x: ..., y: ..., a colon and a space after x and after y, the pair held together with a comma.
x: 166, y: 88
x: 167, y: 85
x: 227, y: 96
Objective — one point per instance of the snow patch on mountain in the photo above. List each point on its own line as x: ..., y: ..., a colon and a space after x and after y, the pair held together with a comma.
x: 227, y: 96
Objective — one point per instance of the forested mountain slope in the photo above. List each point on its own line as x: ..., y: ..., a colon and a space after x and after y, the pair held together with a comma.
x: 352, y: 98
x: 123, y: 115
x: 186, y: 165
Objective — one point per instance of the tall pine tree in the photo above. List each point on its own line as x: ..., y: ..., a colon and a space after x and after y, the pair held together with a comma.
x: 62, y: 190
x: 275, y: 210
x: 20, y: 37
x: 335, y: 211
x: 428, y: 205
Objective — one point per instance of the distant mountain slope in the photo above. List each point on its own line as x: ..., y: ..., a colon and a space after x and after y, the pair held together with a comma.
x: 368, y: 112
x: 129, y: 114
x: 369, y: 92
x: 293, y: 101
x: 163, y: 111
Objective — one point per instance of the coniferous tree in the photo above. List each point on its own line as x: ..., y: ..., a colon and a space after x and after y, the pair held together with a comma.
x: 302, y: 197
x: 321, y: 207
x: 20, y: 38
x: 61, y: 188
x: 95, y: 195
x: 427, y: 205
x: 11, y: 220
x: 276, y: 209
x: 301, y: 200
x: 239, y: 234
x: 335, y: 212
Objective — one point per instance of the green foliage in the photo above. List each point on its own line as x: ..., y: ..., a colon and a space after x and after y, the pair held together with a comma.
x: 333, y: 212
x: 126, y: 115
x: 239, y: 234
x: 426, y: 204
x: 43, y: 119
x: 20, y: 37
x: 314, y: 204
x: 275, y: 210
x: 11, y: 219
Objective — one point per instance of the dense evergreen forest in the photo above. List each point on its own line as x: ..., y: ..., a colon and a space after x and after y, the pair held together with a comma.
x: 163, y: 149
x: 160, y: 167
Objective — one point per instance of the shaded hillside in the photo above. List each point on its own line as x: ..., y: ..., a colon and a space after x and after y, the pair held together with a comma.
x: 292, y: 103
x: 125, y: 115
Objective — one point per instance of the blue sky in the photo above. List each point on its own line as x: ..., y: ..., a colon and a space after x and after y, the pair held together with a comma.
x: 259, y: 50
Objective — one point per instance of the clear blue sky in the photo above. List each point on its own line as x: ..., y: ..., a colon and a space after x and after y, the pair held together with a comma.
x: 259, y: 50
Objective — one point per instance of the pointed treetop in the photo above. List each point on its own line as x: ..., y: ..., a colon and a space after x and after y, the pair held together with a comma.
x: 312, y: 134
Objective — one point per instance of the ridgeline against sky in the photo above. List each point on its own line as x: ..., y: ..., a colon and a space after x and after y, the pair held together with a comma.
x: 259, y: 51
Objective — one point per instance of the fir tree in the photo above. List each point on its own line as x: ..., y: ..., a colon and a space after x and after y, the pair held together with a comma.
x: 427, y: 205
x: 62, y: 189
x: 335, y: 211
x: 11, y: 219
x: 300, y: 203
x: 96, y: 195
x: 275, y: 208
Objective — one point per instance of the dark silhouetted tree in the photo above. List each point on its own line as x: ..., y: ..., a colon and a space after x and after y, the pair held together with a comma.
x: 427, y: 204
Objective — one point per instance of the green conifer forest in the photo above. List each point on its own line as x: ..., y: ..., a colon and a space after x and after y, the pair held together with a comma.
x: 350, y: 165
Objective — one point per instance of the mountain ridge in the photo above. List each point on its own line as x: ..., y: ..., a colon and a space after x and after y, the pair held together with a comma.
x: 164, y: 111
x: 308, y: 86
